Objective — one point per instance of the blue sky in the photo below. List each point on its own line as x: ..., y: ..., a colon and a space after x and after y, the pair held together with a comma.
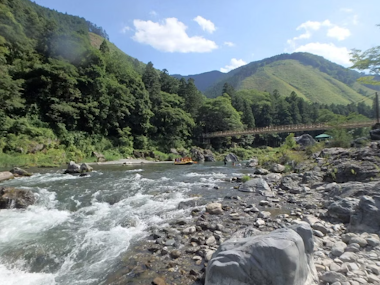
x: 190, y: 37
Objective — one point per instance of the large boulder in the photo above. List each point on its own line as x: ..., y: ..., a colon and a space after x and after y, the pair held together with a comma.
x: 15, y: 198
x: 283, y: 257
x: 253, y: 162
x: 208, y: 155
x: 352, y: 171
x: 375, y: 134
x: 305, y: 140
x: 85, y: 168
x: 6, y: 175
x: 258, y: 185
x: 367, y: 215
x: 73, y: 168
x: 16, y: 171
x: 197, y: 154
x: 342, y: 209
x: 231, y: 158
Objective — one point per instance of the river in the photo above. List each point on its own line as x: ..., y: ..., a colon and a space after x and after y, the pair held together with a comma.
x: 79, y: 227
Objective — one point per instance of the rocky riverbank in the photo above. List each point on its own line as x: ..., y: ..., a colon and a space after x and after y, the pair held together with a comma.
x: 336, y: 193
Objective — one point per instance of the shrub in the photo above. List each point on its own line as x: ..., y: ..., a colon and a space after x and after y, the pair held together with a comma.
x: 245, y: 178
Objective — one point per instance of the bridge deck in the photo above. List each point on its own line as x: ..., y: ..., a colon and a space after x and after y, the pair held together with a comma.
x: 288, y: 129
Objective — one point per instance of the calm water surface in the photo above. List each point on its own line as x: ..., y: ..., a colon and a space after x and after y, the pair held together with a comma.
x: 79, y: 226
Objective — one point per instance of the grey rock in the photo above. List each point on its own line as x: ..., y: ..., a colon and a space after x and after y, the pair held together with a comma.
x: 367, y: 215
x: 305, y: 140
x: 72, y: 168
x: 15, y: 198
x: 253, y: 162
x: 214, y: 209
x: 331, y: 277
x: 343, y: 209
x: 277, y: 168
x: 231, y: 157
x: 257, y: 185
x: 16, y: 171
x: 338, y: 248
x: 282, y: 257
x: 6, y: 175
x: 85, y: 168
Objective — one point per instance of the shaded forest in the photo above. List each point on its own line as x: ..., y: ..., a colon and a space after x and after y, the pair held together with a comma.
x: 65, y: 97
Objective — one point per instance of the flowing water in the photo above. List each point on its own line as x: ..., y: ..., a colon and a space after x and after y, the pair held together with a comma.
x: 79, y: 226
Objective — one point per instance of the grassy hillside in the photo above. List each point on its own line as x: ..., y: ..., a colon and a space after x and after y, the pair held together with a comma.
x: 308, y: 82
x: 312, y: 77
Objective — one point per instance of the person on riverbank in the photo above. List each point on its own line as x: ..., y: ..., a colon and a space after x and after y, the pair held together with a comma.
x: 225, y: 161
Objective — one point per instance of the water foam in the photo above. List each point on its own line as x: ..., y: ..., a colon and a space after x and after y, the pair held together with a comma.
x: 16, y: 276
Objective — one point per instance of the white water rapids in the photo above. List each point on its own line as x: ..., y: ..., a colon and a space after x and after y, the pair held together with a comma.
x: 79, y: 226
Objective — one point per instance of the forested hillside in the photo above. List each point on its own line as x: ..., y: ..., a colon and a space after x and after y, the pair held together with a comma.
x: 66, y: 91
x: 203, y: 80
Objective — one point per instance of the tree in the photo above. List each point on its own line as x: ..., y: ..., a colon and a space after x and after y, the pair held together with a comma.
x: 219, y: 115
x: 152, y: 84
x: 367, y: 60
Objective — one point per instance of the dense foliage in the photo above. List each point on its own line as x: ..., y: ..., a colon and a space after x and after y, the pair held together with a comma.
x: 66, y: 92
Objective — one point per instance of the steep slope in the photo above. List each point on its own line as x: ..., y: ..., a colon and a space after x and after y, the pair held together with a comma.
x: 203, y: 80
x: 311, y: 77
x: 96, y: 41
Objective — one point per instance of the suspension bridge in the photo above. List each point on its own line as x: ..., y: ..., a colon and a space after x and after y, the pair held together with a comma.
x: 289, y: 129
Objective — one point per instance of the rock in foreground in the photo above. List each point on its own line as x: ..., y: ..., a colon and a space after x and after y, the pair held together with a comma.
x: 6, y: 175
x: 283, y: 257
x: 15, y: 198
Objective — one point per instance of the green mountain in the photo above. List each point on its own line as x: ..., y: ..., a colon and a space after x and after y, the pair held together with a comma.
x: 312, y: 77
x: 203, y: 80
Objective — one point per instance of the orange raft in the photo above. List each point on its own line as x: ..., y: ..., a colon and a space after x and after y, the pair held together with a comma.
x: 184, y: 161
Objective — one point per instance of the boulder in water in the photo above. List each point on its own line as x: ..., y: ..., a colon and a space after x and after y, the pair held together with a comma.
x: 231, y: 157
x: 6, y: 175
x: 85, y: 168
x: 284, y: 256
x: 15, y: 198
x: 277, y: 168
x: 19, y: 172
x: 73, y: 168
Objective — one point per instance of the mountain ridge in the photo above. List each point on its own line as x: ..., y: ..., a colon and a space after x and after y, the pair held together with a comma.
x: 312, y: 77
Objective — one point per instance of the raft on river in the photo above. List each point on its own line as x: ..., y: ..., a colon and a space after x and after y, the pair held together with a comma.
x: 184, y: 161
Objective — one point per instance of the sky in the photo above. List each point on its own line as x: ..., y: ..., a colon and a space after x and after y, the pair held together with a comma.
x: 191, y: 37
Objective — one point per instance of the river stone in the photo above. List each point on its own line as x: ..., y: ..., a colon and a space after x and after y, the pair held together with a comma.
x: 258, y: 185
x: 16, y: 171
x: 72, y: 168
x: 367, y: 215
x: 6, y: 175
x: 214, y: 209
x: 331, y: 277
x: 15, y: 198
x: 175, y: 253
x: 85, y: 168
x: 284, y: 256
x: 338, y: 248
x: 277, y: 168
x: 158, y: 281
x: 343, y: 209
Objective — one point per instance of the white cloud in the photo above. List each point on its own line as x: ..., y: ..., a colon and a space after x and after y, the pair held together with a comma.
x: 125, y: 29
x: 313, y: 25
x: 234, y: 63
x: 340, y: 55
x: 206, y: 25
x: 309, y: 27
x: 338, y: 33
x: 229, y: 44
x: 170, y: 36
x: 153, y: 13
